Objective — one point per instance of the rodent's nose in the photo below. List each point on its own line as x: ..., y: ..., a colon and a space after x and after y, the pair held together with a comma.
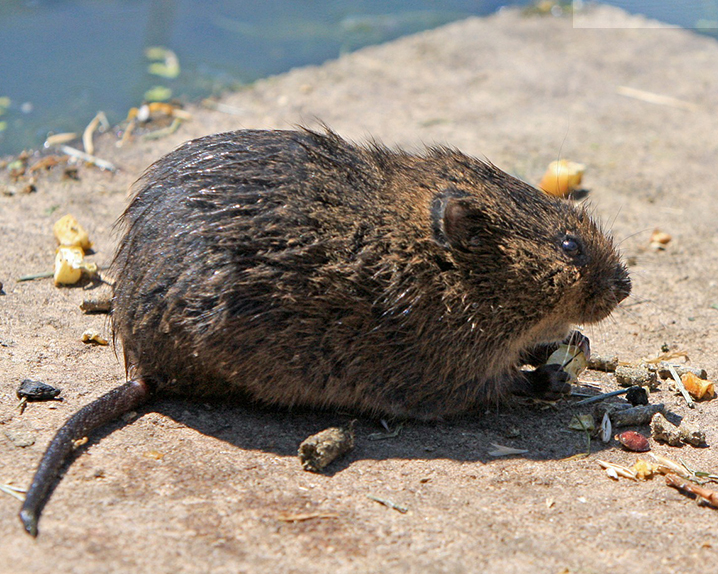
x: 622, y: 285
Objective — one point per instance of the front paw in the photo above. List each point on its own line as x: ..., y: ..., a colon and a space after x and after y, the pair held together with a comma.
x: 547, y: 382
x: 578, y: 339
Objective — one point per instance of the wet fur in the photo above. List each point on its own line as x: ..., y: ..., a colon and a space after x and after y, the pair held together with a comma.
x: 300, y: 269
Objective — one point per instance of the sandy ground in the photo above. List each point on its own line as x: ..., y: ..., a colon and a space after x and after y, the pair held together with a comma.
x: 200, y: 487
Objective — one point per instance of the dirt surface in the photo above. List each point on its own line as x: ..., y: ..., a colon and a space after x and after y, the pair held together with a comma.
x: 190, y: 487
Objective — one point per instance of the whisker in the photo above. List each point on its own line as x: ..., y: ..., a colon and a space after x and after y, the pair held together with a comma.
x: 633, y: 235
x: 615, y: 217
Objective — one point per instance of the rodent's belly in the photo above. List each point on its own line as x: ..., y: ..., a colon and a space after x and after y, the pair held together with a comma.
x: 330, y: 349
x: 367, y: 373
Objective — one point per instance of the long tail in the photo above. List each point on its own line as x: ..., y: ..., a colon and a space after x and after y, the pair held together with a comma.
x: 99, y: 412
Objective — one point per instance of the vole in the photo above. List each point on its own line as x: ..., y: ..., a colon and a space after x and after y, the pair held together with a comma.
x: 297, y: 268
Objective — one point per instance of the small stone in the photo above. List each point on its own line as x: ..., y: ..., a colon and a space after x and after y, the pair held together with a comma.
x: 317, y: 451
x: 637, y: 396
x: 20, y: 437
x: 665, y: 431
x: 605, y: 364
x: 692, y: 434
x: 628, y: 376
x: 36, y: 391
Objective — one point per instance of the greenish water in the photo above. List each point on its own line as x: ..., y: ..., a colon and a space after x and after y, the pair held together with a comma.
x: 63, y: 60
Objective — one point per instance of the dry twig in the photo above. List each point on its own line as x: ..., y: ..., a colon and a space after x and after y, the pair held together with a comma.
x: 705, y: 494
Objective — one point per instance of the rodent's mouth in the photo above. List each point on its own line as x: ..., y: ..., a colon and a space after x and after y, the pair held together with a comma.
x: 601, y: 302
x: 596, y: 314
x: 597, y: 310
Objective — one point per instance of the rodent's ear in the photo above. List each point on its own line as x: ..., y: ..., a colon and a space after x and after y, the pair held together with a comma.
x: 456, y: 219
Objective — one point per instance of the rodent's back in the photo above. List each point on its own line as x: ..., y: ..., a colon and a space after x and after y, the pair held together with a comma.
x: 301, y: 269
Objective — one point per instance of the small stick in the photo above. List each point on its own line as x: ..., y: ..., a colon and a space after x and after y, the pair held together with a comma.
x: 47, y: 274
x: 699, y: 474
x: 87, y: 142
x: 47, y: 162
x: 639, y: 415
x: 710, y: 496
x: 597, y: 398
x: 654, y: 98
x: 96, y: 305
x: 101, y: 163
x: 681, y: 387
x: 577, y: 456
x: 389, y: 504
x: 667, y: 466
x: 57, y: 139
x: 666, y: 357
x: 389, y: 434
x: 33, y: 276
x: 158, y: 134
x: 302, y: 516
x: 127, y: 133
x: 13, y: 491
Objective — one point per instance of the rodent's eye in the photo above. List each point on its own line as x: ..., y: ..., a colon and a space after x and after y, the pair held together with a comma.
x: 571, y: 246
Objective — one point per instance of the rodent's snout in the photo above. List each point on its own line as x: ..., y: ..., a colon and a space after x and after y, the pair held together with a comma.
x: 604, y: 293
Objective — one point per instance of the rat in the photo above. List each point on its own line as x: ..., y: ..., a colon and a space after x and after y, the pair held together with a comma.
x: 296, y: 268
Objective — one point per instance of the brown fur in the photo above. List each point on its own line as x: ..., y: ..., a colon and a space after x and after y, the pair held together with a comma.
x: 304, y: 270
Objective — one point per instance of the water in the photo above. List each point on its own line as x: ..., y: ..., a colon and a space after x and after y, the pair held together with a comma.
x: 63, y: 60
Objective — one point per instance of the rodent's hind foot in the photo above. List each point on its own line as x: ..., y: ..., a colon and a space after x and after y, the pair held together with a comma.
x: 547, y: 383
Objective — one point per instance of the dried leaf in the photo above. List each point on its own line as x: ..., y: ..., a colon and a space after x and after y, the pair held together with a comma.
x: 501, y: 450
x: 617, y: 469
x: 582, y: 423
